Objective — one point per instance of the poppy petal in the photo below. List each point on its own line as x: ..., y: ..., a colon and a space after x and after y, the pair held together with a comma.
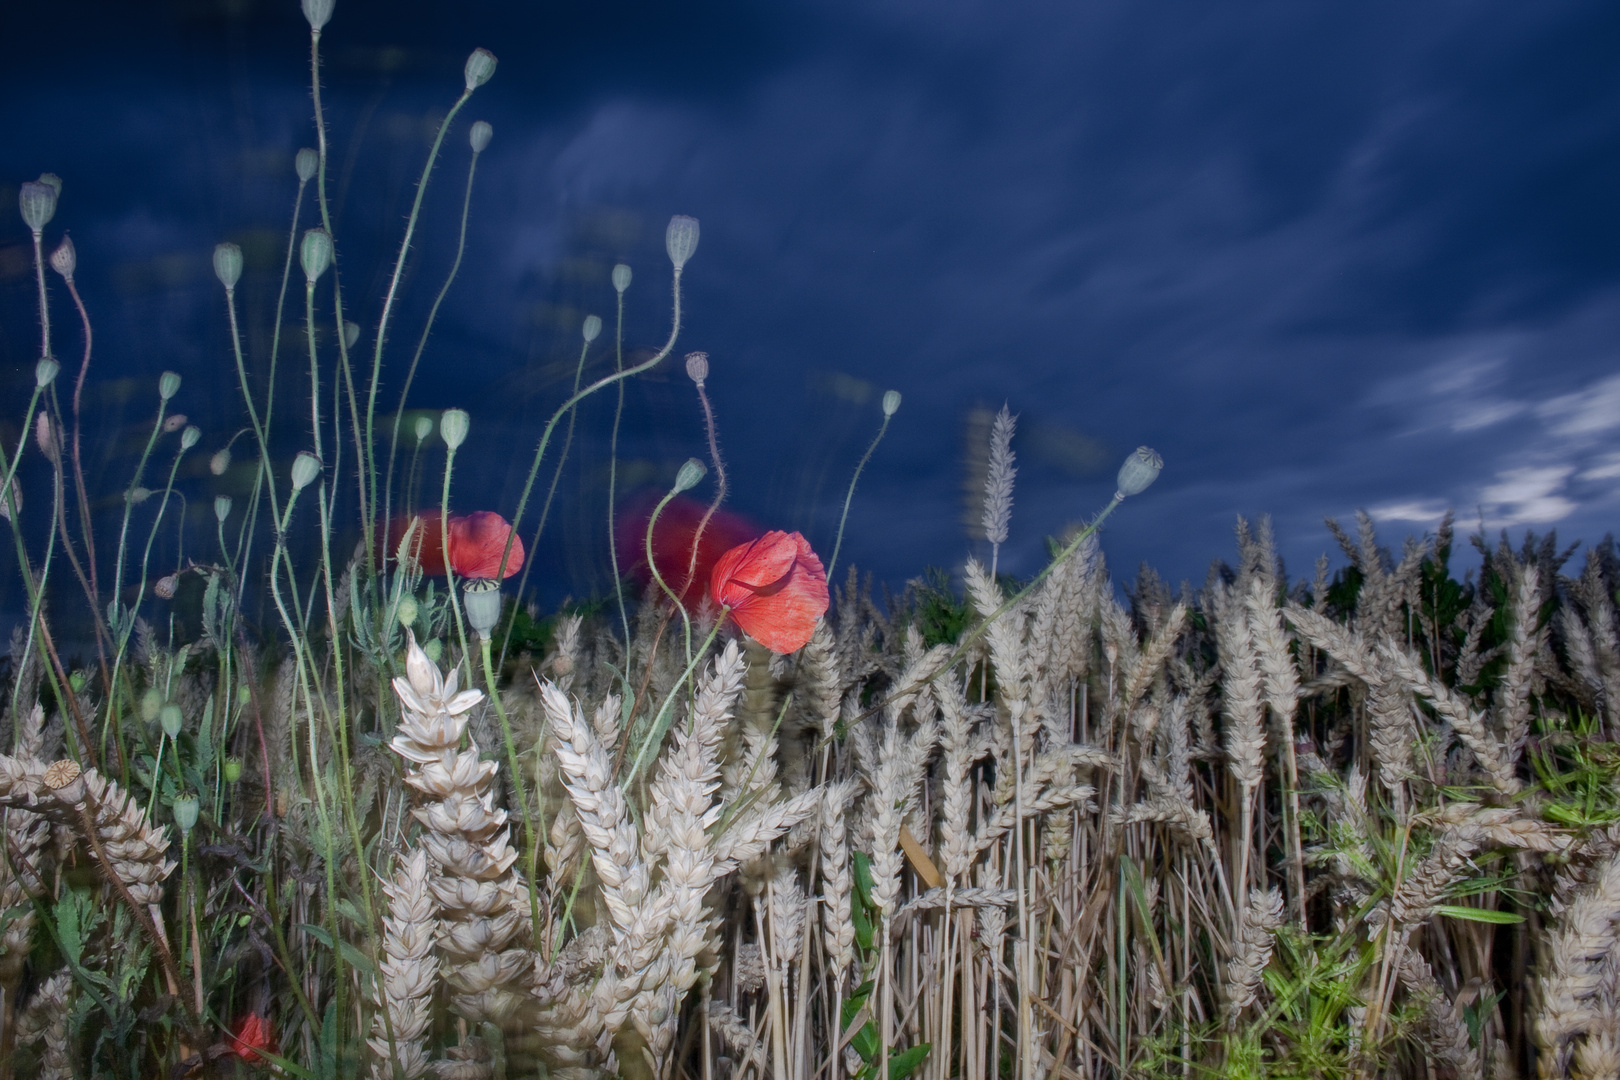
x: 775, y: 588
x: 477, y: 543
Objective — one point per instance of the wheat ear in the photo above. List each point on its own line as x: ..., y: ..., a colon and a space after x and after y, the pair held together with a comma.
x: 406, y: 976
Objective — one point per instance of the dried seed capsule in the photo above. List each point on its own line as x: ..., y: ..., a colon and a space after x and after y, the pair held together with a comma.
x: 64, y: 260
x: 1139, y: 470
x: 37, y: 201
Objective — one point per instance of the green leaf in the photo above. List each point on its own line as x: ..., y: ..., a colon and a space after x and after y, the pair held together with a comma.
x: 902, y: 1062
x: 317, y: 932
x: 865, y: 1041
x: 1484, y: 915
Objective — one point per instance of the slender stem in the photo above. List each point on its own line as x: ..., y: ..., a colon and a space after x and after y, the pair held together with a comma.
x: 613, y: 482
x: 850, y: 495
x: 652, y: 565
x: 518, y: 785
x: 444, y: 548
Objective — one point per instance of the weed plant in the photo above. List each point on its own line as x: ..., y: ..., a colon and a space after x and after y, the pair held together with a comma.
x: 362, y: 821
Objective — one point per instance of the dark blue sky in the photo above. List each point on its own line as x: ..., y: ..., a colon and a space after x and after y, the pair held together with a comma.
x: 1323, y: 257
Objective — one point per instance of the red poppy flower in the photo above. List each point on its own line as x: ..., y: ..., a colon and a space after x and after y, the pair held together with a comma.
x: 477, y: 542
x: 251, y: 1034
x: 775, y: 588
x: 672, y: 538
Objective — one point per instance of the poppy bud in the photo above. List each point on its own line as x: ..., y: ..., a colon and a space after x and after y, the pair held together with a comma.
x: 315, y: 254
x: 189, y: 437
x: 592, y: 328
x: 233, y: 769
x: 318, y: 12
x: 45, y: 371
x: 621, y: 277
x: 424, y: 427
x: 1139, y: 470
x: 306, y: 163
x: 77, y: 681
x: 163, y: 588
x: 891, y: 402
x: 480, y: 66
x: 222, y: 507
x: 681, y: 239
x: 689, y: 476
x: 168, y: 385
x: 170, y: 718
x: 697, y: 366
x: 406, y: 611
x: 305, y: 468
x: 480, y: 135
x: 228, y: 265
x: 481, y: 600
x: 174, y: 423
x: 138, y: 495
x: 453, y: 427
x: 37, y: 201
x: 151, y: 702
x: 64, y: 260
x: 52, y: 181
x: 433, y: 650
x: 185, y: 813
x: 220, y: 461
x: 44, y: 437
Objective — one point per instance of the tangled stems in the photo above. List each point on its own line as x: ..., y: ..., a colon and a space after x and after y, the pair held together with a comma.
x: 545, y: 436
x: 652, y: 565
x: 850, y: 495
x: 522, y: 789
x: 421, y: 344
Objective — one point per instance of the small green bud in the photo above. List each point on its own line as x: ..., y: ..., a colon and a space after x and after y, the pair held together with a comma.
x: 423, y: 427
x: 406, y: 611
x: 453, y: 425
x: 681, y: 239
x: 480, y: 66
x: 228, y: 265
x: 220, y: 461
x: 37, y: 201
x: 305, y: 468
x: 697, y: 367
x: 77, y: 682
x: 151, y: 702
x: 232, y: 769
x: 137, y: 495
x: 891, y: 402
x: 621, y: 277
x: 168, y: 385
x: 480, y: 135
x: 689, y: 476
x: 45, y: 371
x: 185, y: 813
x: 189, y: 437
x: 433, y: 650
x: 306, y: 163
x: 481, y: 600
x: 592, y: 328
x: 318, y: 12
x: 1139, y: 470
x: 170, y: 718
x: 351, y: 334
x: 315, y: 254
x: 222, y: 508
x: 64, y: 260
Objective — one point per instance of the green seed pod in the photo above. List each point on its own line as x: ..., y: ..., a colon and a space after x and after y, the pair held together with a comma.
x: 434, y: 649
x: 151, y: 702
x: 170, y: 718
x: 232, y: 769
x: 78, y: 682
x: 681, y: 239
x: 65, y: 260
x: 228, y: 265
x: 189, y: 437
x: 220, y: 461
x: 315, y: 254
x: 891, y: 402
x: 621, y: 277
x: 423, y: 427
x: 481, y: 600
x: 697, y: 367
x: 45, y: 371
x: 592, y: 328
x: 453, y: 425
x: 37, y: 201
x: 351, y: 334
x: 185, y: 813
x: 305, y: 468
x: 138, y: 495
x: 480, y: 135
x: 1139, y: 470
x: 406, y: 612
x: 480, y: 66
x: 689, y: 476
x: 222, y: 507
x: 168, y: 385
x: 306, y: 163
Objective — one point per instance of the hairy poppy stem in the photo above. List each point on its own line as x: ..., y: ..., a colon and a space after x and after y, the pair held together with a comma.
x: 662, y: 718
x: 850, y: 495
x: 531, y: 839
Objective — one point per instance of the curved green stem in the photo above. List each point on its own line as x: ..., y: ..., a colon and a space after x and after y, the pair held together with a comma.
x: 531, y: 838
x: 850, y: 495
